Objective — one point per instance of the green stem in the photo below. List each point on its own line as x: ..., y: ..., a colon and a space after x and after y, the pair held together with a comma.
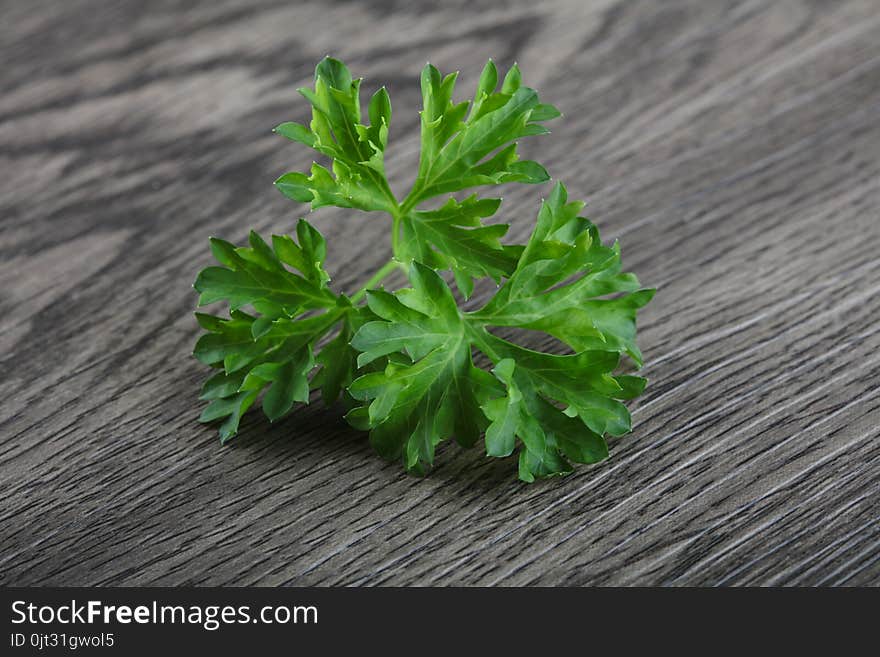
x: 395, y: 234
x: 411, y: 200
x: 376, y: 278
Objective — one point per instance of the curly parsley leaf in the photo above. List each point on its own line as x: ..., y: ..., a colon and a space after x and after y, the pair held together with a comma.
x: 464, y: 144
x: 272, y: 349
x: 557, y: 406
x: 453, y: 237
x: 430, y: 396
x: 461, y: 150
x: 404, y: 361
x: 562, y: 283
x: 357, y: 179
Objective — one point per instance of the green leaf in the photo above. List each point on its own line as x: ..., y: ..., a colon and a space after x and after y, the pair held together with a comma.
x: 338, y: 359
x: 453, y: 237
x: 356, y: 178
x: 296, y: 132
x: 307, y: 256
x: 269, y: 352
x: 458, y: 154
x: 558, y: 408
x: 561, y: 281
x: 343, y: 187
x: 404, y: 361
x: 231, y: 408
x: 464, y: 144
x: 415, y: 405
x: 289, y: 382
x: 549, y: 435
x: 257, y: 274
x: 437, y: 393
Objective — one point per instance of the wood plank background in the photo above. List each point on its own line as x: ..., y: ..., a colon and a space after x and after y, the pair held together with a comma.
x: 734, y: 147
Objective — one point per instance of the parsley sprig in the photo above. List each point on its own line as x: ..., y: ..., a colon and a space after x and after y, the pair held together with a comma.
x: 404, y: 360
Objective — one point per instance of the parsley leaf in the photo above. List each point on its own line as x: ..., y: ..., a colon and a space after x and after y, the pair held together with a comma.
x: 558, y: 406
x: 455, y: 149
x: 463, y: 145
x: 432, y: 395
x: 453, y: 237
x: 357, y: 179
x: 273, y: 348
x: 404, y: 361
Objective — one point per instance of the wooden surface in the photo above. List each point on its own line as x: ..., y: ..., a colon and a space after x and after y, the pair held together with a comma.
x: 733, y: 147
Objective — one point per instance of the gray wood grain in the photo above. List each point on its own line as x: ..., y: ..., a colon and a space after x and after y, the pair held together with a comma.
x: 733, y: 147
